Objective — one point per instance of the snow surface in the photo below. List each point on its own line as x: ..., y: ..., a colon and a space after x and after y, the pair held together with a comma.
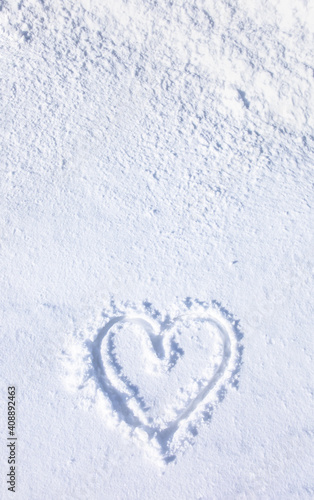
x: 156, y: 243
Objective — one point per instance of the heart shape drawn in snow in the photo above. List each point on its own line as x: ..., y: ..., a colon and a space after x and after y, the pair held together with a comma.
x: 163, y: 377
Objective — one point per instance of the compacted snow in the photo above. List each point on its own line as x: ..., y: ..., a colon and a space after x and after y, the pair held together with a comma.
x: 156, y: 240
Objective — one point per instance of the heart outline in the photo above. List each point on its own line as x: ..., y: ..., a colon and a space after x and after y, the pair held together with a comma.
x: 164, y: 437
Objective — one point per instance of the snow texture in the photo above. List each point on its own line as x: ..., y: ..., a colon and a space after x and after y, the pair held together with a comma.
x: 156, y: 241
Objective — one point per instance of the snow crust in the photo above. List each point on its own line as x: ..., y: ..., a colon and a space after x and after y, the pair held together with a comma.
x: 157, y: 162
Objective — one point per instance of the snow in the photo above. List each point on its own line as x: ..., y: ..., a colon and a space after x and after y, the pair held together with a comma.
x: 157, y: 246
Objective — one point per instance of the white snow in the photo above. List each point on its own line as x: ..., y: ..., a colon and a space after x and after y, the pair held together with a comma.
x: 156, y: 243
